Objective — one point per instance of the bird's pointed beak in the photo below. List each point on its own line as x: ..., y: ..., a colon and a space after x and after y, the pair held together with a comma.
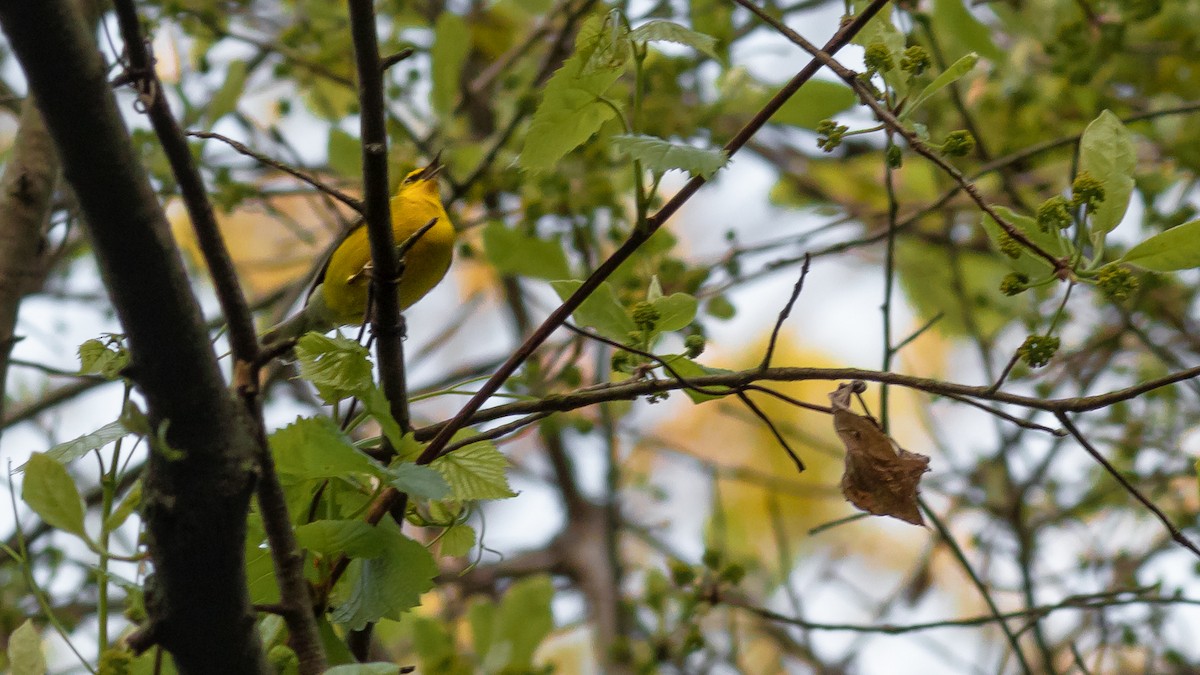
x: 433, y: 169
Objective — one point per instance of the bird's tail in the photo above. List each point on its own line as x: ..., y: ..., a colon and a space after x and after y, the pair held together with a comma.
x: 315, y: 316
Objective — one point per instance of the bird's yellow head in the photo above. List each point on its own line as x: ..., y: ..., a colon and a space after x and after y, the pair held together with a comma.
x: 423, y: 180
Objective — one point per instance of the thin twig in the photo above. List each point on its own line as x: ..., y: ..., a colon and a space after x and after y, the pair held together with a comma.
x: 337, y: 194
x: 783, y: 315
x: 1175, y: 532
x: 775, y: 432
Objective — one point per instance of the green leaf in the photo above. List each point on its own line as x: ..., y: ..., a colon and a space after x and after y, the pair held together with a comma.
x: 126, y: 508
x: 25, y: 651
x: 1175, y: 249
x: 601, y: 310
x: 660, y: 30
x: 519, y: 624
x: 419, y: 481
x: 949, y: 76
x: 388, y: 585
x: 313, y: 448
x: 514, y: 252
x: 675, y: 312
x: 689, y: 369
x: 103, y: 358
x: 457, y: 541
x: 225, y: 99
x: 1106, y: 151
x: 436, y: 648
x: 475, y: 472
x: 715, y: 18
x: 380, y: 668
x: 345, y: 154
x: 354, y: 538
x: 817, y: 100
x: 50, y: 491
x: 571, y: 110
x: 660, y: 155
x: 377, y: 406
x: 74, y: 449
x: 720, y: 307
x: 960, y: 32
x: 451, y: 43
x: 339, y: 367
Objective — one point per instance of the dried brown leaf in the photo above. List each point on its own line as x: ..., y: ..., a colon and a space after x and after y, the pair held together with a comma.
x: 881, y: 478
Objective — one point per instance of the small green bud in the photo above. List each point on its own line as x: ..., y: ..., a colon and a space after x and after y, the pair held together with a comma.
x: 645, y: 315
x: 115, y: 661
x: 1014, y: 283
x: 682, y: 574
x: 733, y: 574
x: 878, y: 57
x: 958, y: 144
x: 829, y: 135
x: 894, y: 157
x: 621, y: 361
x: 1038, y: 350
x: 1116, y: 282
x: 693, y: 345
x: 1054, y: 214
x: 1088, y: 190
x: 915, y: 60
x: 283, y: 659
x: 711, y: 558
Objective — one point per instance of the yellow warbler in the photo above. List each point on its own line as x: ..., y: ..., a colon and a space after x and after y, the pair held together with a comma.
x: 339, y: 297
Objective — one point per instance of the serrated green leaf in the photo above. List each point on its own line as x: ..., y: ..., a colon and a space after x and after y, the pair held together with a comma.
x: 102, y: 358
x: 661, y: 30
x: 660, y: 155
x: 675, y: 312
x: 954, y: 73
x: 337, y: 366
x: 313, y: 448
x: 419, y: 481
x: 451, y: 43
x: 1175, y: 249
x: 1106, y: 151
x: 25, y: 651
x: 457, y: 541
x: 571, y: 110
x: 74, y: 449
x: 127, y: 507
x: 513, y: 252
x: 354, y: 538
x: 50, y: 491
x: 344, y: 153
x: 475, y: 472
x: 817, y: 100
x: 388, y: 585
x: 601, y: 310
x: 226, y: 98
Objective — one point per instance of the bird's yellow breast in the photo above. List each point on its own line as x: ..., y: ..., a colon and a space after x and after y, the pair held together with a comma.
x: 345, y: 284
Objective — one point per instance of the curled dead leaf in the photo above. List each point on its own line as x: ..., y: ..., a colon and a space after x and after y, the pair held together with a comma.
x: 881, y: 478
